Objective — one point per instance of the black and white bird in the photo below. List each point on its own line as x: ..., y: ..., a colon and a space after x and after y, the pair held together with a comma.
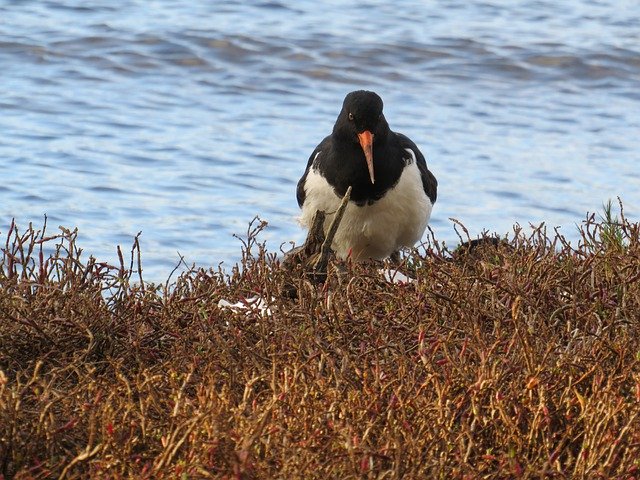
x: 393, y: 191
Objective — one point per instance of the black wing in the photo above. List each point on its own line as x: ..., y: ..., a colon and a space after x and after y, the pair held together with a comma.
x: 300, y: 193
x: 429, y: 182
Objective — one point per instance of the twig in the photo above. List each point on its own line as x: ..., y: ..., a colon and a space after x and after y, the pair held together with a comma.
x: 325, y: 251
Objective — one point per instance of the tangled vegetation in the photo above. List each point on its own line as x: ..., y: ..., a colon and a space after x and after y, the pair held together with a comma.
x: 519, y: 359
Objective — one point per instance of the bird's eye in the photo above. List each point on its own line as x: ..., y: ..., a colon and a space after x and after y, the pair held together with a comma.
x: 350, y: 116
x: 379, y: 116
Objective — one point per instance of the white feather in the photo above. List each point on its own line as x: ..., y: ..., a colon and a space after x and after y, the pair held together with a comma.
x: 397, y: 220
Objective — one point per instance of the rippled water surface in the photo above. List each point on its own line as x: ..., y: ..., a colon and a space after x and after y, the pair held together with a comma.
x: 184, y: 120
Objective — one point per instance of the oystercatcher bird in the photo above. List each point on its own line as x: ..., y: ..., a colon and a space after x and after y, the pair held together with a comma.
x: 393, y: 191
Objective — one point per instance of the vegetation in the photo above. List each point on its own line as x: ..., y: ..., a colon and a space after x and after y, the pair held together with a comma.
x: 514, y: 359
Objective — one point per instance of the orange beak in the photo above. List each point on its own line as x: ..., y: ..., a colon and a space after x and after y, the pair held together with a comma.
x: 366, y: 142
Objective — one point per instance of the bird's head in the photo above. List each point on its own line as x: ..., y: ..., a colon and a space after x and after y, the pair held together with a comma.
x: 361, y: 120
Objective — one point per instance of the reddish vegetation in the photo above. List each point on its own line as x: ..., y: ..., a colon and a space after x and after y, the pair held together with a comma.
x: 519, y: 361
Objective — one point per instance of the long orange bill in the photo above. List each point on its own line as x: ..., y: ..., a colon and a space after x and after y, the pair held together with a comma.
x: 366, y: 142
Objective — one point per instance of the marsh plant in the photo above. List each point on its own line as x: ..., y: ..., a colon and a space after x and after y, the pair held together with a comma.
x: 521, y: 360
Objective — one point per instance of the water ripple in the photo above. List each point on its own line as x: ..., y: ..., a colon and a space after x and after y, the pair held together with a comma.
x: 186, y: 120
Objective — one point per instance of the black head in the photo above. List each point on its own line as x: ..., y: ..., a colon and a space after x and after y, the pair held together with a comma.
x: 361, y: 121
x: 361, y: 110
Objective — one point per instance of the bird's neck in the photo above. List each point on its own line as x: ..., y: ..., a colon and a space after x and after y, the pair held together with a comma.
x: 348, y: 167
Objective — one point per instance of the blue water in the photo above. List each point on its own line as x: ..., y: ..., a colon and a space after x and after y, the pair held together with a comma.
x: 184, y: 120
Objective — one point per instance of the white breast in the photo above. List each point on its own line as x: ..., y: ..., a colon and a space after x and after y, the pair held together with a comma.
x: 372, y: 231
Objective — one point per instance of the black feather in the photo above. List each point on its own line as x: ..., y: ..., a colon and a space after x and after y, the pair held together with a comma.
x: 341, y: 161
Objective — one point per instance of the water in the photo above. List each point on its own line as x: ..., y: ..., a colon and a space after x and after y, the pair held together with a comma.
x: 184, y: 120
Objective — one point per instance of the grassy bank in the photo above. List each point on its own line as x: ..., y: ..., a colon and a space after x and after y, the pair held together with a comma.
x: 519, y: 361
